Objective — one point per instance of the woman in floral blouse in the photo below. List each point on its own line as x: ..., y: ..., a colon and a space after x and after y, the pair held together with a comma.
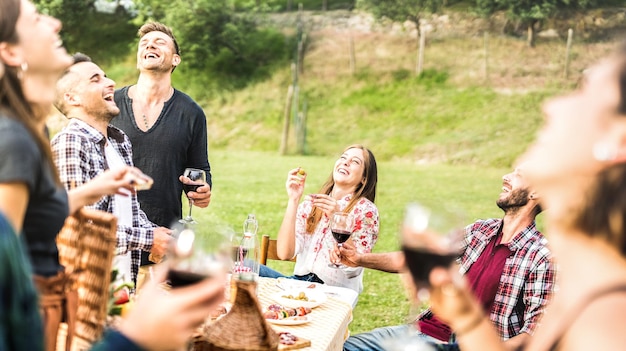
x: 305, y: 232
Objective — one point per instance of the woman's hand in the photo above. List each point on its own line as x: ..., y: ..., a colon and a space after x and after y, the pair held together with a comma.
x: 295, y: 183
x: 326, y: 203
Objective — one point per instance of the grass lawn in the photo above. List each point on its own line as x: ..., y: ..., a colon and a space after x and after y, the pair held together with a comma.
x: 254, y: 182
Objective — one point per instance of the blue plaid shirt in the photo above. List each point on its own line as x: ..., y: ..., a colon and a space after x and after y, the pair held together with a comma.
x: 78, y: 151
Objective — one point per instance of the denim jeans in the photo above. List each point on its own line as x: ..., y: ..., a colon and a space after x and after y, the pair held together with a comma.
x: 399, y: 337
x: 265, y: 271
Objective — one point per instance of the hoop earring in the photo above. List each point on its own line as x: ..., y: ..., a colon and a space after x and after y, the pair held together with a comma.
x: 603, y: 151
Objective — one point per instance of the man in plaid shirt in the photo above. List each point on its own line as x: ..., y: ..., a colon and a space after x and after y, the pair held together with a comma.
x: 506, y: 262
x: 88, y: 146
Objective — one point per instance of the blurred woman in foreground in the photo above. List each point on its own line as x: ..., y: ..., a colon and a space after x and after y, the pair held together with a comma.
x: 35, y: 203
x: 578, y: 164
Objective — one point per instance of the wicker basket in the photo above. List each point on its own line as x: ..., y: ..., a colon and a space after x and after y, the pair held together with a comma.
x: 243, y: 328
x: 86, y: 248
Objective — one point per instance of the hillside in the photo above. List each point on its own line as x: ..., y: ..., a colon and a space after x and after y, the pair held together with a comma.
x: 477, y: 103
x: 458, y: 112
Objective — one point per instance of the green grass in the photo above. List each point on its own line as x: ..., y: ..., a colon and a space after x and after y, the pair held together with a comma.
x: 254, y: 182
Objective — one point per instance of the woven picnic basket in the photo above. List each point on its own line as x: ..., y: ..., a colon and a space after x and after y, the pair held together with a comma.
x: 86, y: 246
x: 242, y: 328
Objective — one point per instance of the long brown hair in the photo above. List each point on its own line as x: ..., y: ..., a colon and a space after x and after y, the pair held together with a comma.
x: 13, y: 102
x: 604, y: 213
x: 366, y: 189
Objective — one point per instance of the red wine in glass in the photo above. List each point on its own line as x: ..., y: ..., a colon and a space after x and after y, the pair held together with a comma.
x: 178, y: 278
x: 190, y: 187
x: 421, y: 262
x: 198, y: 177
x: 341, y: 235
x: 341, y: 226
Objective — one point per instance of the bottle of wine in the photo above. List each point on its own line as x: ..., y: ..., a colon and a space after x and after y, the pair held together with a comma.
x: 247, y: 260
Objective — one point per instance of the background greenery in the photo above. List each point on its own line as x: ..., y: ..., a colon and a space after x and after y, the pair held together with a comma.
x: 448, y: 134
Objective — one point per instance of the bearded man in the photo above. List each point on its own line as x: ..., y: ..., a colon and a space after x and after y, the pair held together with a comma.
x: 506, y: 262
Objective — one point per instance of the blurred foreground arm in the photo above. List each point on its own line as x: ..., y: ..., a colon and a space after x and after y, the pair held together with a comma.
x: 162, y: 320
x: 452, y: 301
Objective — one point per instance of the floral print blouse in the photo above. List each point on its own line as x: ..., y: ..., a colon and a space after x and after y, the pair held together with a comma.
x: 312, y: 249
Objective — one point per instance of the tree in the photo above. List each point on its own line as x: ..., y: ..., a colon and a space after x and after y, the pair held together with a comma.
x: 103, y: 36
x: 215, y: 39
x: 401, y: 10
x: 530, y: 12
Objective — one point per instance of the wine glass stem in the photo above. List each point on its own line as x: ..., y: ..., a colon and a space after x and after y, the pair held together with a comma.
x: 190, y: 207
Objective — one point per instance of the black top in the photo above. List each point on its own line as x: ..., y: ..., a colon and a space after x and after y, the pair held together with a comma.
x: 177, y: 140
x: 22, y: 161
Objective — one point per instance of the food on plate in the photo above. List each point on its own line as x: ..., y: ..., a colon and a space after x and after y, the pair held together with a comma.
x: 275, y: 311
x: 286, y: 338
x: 301, y: 297
x: 221, y: 310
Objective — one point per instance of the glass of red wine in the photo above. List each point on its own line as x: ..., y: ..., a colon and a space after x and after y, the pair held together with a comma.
x: 431, y: 236
x: 341, y: 225
x: 194, y: 256
x: 198, y: 179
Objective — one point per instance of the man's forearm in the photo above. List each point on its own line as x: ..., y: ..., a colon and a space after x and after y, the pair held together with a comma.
x: 392, y: 262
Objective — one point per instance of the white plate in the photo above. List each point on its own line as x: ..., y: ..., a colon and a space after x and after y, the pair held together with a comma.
x: 288, y: 284
x: 290, y: 320
x: 315, y: 298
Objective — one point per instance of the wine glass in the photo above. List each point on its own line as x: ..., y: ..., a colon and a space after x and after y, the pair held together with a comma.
x: 198, y: 178
x: 431, y: 236
x: 341, y: 225
x: 194, y: 256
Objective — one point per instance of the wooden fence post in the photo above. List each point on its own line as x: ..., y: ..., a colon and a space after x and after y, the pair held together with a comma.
x: 486, y: 51
x: 568, y: 51
x: 420, y: 53
x: 352, y: 57
x: 286, y: 119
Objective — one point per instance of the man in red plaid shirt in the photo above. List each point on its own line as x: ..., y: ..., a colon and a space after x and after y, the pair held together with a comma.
x: 506, y: 262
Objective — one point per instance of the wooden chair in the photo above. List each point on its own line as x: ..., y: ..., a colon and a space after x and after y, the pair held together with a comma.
x: 268, y: 250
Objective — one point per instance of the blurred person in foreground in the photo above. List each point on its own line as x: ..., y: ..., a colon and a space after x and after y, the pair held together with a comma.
x: 508, y: 266
x: 88, y: 146
x: 305, y: 233
x: 578, y: 164
x: 35, y: 203
x: 168, y: 130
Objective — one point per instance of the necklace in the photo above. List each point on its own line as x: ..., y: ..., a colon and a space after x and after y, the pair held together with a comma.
x: 145, y: 121
x: 150, y: 109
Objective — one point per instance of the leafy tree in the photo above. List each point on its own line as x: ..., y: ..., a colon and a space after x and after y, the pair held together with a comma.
x: 401, y: 10
x: 215, y: 39
x: 531, y: 12
x: 103, y: 36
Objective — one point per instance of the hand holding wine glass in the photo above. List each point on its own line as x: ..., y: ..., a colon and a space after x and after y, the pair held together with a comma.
x: 194, y: 256
x: 431, y: 237
x: 341, y: 225
x: 197, y: 179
